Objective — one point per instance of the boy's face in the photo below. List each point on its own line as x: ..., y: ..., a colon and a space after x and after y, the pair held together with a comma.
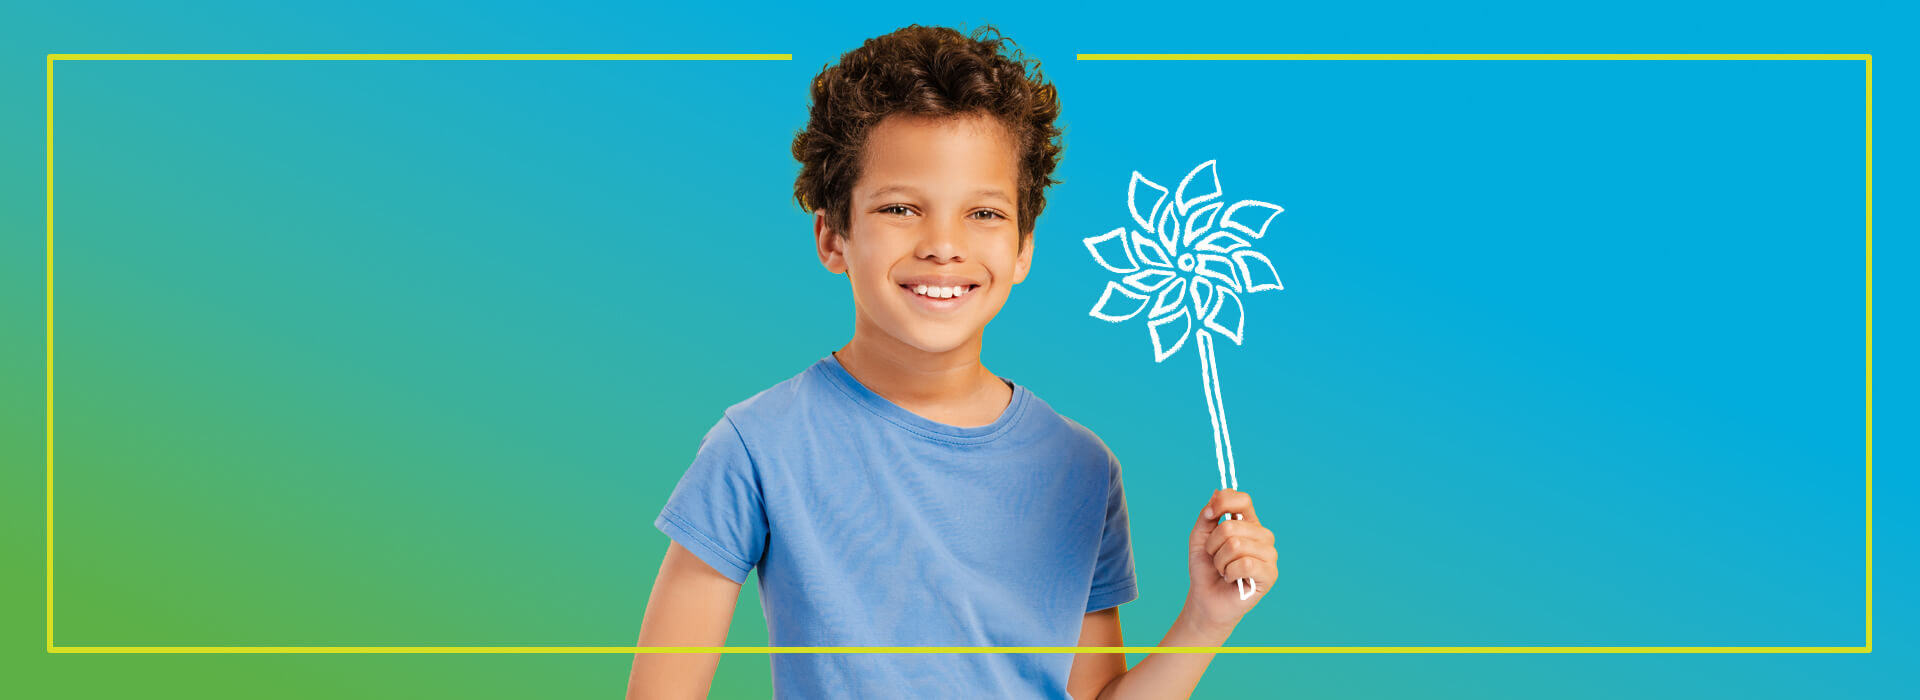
x: 934, y: 207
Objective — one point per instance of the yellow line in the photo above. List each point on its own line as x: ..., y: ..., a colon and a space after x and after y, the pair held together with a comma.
x: 1869, y: 642
x: 958, y: 650
x: 419, y: 57
x: 49, y: 353
x: 1472, y: 56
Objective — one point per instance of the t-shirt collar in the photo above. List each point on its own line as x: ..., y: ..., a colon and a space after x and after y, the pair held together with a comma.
x: 830, y: 367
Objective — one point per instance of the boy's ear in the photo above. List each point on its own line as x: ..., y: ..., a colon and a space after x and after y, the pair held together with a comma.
x: 829, y: 246
x: 1024, y: 262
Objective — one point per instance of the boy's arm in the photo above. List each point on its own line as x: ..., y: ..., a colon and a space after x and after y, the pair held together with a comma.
x: 1106, y: 676
x: 1218, y: 554
x: 1092, y: 672
x: 691, y: 606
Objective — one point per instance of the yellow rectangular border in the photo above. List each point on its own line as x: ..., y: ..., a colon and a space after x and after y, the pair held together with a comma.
x: 1866, y: 647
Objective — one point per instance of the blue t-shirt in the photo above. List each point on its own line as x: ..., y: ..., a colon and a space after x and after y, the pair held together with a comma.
x: 874, y: 526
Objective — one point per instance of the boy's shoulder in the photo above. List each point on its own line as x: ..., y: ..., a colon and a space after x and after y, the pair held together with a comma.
x: 1078, y: 431
x: 778, y: 403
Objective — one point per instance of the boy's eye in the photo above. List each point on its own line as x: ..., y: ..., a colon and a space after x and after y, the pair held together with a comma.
x: 891, y: 209
x: 990, y: 214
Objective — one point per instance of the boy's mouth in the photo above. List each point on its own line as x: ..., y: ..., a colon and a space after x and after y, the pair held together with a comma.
x: 940, y: 292
x: 939, y: 298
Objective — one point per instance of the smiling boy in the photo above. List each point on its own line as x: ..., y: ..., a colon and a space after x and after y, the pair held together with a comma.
x: 897, y: 492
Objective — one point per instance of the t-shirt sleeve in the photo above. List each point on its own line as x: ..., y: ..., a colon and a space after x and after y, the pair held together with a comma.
x: 717, y: 511
x: 1113, y: 579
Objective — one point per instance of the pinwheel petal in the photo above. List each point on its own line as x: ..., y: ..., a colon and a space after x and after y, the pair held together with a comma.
x: 1169, y: 231
x: 1257, y: 270
x: 1169, y: 299
x: 1137, y: 196
x: 1200, y: 222
x: 1147, y: 280
x: 1202, y: 296
x: 1219, y: 268
x: 1165, y: 344
x: 1112, y: 251
x: 1242, y: 214
x: 1229, y: 317
x: 1204, y: 182
x: 1222, y: 242
x: 1149, y: 252
x: 1117, y: 304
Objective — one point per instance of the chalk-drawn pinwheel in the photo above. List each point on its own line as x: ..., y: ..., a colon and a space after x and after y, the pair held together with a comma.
x: 1190, y: 273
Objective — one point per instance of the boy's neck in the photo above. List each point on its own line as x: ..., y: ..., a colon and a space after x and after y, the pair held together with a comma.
x: 949, y: 387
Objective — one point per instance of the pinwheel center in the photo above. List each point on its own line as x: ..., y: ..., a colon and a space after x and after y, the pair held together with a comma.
x: 1185, y: 262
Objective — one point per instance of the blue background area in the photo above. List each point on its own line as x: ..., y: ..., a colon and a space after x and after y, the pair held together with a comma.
x: 1569, y: 354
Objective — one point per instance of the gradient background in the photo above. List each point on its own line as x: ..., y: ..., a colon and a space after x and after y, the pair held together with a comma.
x: 411, y: 353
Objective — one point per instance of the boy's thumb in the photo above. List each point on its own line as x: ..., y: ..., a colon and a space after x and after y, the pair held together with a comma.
x: 1203, y: 527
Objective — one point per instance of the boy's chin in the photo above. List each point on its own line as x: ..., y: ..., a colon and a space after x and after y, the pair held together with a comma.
x: 939, y: 346
x: 931, y: 336
x: 936, y: 343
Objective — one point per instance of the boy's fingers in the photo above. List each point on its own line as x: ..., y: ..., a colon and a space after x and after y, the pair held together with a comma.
x: 1220, y: 533
x: 1247, y: 567
x: 1231, y: 501
x: 1234, y: 548
x: 1237, y: 528
x: 1226, y: 529
x: 1264, y: 573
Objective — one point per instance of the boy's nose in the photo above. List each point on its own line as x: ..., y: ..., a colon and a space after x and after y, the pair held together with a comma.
x: 940, y: 241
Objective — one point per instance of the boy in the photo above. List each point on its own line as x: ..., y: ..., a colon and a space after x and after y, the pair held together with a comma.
x: 897, y: 493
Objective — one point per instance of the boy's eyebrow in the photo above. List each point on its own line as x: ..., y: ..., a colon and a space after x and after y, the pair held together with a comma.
x: 911, y: 192
x: 993, y: 192
x: 890, y: 189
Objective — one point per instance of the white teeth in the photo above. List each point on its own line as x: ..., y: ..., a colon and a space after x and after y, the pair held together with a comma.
x: 941, y: 292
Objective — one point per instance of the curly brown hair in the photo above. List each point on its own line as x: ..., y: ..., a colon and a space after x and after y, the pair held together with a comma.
x: 925, y: 71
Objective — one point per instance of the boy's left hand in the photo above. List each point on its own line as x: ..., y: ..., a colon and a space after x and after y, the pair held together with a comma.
x: 1219, y: 552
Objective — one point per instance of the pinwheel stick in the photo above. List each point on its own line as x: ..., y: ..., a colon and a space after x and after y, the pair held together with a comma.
x: 1222, y: 442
